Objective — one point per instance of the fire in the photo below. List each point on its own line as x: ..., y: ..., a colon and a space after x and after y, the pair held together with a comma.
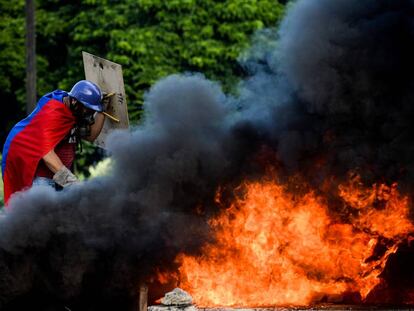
x: 276, y: 248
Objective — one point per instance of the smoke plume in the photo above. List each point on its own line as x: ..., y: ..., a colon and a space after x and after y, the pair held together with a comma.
x: 336, y: 88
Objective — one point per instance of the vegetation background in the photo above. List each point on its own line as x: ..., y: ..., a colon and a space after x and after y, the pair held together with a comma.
x: 149, y: 38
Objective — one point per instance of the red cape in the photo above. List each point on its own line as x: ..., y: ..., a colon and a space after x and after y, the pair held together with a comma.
x: 32, y: 138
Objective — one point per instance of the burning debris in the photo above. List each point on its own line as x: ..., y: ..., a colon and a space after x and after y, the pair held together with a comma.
x: 290, y: 245
x: 190, y: 188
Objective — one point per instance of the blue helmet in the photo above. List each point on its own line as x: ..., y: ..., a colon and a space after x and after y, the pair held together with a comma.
x: 88, y: 93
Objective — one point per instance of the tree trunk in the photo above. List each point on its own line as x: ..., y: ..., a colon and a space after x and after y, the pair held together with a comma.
x: 30, y: 56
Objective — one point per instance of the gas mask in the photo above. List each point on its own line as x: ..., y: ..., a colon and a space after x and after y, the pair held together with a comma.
x: 84, y: 119
x: 84, y: 125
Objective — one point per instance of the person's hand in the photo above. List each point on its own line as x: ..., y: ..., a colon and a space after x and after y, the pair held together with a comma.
x: 106, y: 99
x: 64, y: 177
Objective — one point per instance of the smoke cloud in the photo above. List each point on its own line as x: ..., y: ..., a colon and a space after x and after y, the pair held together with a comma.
x: 350, y: 64
x: 105, y: 236
x: 335, y: 86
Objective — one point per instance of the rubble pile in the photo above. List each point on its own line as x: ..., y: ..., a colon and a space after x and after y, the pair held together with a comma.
x: 176, y: 300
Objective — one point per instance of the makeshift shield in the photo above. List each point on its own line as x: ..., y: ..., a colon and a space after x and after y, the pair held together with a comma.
x: 108, y: 75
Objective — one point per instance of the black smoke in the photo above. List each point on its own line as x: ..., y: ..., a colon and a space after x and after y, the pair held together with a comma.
x: 335, y: 88
x: 349, y: 64
x: 90, y: 246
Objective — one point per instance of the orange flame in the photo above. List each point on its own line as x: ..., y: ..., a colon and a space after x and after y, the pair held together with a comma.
x: 275, y: 248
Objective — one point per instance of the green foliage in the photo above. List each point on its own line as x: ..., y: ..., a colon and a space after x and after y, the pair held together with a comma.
x: 12, y: 63
x: 11, y: 43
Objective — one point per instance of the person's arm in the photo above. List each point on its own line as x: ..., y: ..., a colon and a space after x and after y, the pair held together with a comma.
x: 52, y: 161
x: 96, y: 128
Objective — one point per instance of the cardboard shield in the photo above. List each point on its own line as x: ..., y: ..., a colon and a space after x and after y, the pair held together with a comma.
x: 108, y: 75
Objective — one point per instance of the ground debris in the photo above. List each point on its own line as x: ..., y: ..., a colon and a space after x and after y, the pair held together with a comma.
x: 176, y: 300
x: 177, y: 297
